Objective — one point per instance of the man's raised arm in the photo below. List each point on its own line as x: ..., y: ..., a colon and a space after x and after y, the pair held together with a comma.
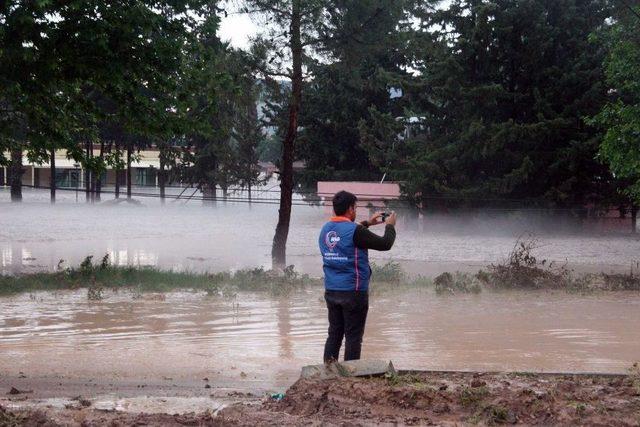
x: 365, y: 239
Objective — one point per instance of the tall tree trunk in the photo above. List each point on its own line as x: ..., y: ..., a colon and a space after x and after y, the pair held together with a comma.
x: 15, y: 174
x: 117, y: 168
x: 634, y: 219
x: 249, y: 192
x: 52, y: 180
x: 279, y: 248
x: 128, y: 172
x: 209, y: 195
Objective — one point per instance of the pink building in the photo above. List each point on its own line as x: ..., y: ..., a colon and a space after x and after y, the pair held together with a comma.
x: 369, y: 193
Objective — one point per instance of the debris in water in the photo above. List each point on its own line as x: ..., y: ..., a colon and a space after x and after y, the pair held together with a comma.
x: 16, y: 391
x: 82, y: 401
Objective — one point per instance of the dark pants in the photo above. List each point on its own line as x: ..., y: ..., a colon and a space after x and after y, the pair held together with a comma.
x: 347, y: 317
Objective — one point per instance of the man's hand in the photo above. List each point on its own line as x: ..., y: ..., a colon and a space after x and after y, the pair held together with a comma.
x: 377, y: 219
x: 391, y: 219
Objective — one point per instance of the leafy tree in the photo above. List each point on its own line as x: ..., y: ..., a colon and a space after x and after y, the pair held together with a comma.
x: 35, y: 103
x: 292, y: 31
x: 207, y: 93
x: 59, y: 57
x: 620, y: 117
x: 248, y: 134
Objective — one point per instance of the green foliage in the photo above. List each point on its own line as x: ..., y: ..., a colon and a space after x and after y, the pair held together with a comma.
x: 98, y: 278
x: 390, y: 272
x: 77, y: 73
x: 9, y: 419
x: 472, y: 396
x: 401, y: 380
x: 222, y: 124
x: 497, y: 414
x: 350, y: 93
x: 501, y: 96
x: 620, y: 117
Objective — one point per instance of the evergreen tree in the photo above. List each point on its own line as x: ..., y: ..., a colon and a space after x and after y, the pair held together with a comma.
x: 504, y: 88
x: 354, y: 78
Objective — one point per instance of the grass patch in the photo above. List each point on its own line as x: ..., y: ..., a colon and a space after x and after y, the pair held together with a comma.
x: 396, y: 380
x: 472, y: 396
x: 98, y: 277
x: 8, y: 419
x: 497, y: 414
x: 390, y: 272
x: 521, y: 270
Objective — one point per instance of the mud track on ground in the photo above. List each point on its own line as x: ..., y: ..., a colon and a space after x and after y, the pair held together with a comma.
x: 408, y: 399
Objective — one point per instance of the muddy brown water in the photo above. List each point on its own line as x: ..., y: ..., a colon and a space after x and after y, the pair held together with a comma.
x: 254, y: 340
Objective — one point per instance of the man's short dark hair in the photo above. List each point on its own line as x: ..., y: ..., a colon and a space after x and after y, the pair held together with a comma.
x: 342, y: 201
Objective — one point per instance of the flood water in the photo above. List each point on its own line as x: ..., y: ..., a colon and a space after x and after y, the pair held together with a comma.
x: 255, y: 339
x: 35, y: 236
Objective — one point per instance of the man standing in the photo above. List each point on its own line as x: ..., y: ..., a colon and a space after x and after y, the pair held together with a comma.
x: 344, y: 248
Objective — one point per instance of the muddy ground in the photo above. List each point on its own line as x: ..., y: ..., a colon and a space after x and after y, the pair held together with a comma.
x: 408, y: 399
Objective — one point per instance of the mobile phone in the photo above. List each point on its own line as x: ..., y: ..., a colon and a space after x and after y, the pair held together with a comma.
x: 384, y: 216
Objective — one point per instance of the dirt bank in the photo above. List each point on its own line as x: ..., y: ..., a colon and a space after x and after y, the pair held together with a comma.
x: 411, y: 399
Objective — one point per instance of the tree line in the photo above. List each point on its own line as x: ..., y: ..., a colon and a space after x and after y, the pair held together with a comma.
x: 466, y: 103
x: 116, y: 77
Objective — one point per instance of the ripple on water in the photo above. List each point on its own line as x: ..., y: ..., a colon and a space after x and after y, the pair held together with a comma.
x: 415, y: 329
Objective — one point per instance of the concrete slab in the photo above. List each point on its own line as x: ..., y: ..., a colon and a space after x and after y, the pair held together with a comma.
x: 352, y: 368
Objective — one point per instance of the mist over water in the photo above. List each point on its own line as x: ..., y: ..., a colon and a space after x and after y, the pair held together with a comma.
x: 187, y: 235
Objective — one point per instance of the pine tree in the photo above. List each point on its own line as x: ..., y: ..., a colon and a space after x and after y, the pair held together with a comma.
x: 504, y: 88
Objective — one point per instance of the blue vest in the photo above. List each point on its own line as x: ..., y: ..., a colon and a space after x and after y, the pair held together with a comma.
x: 346, y: 267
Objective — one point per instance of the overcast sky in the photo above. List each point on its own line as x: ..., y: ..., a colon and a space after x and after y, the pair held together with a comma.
x: 237, y: 28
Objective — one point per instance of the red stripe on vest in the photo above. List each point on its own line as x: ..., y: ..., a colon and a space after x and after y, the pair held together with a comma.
x: 357, y: 272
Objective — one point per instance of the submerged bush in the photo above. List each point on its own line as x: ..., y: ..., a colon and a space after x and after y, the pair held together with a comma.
x: 448, y: 283
x: 97, y: 278
x: 391, y: 272
x: 522, y: 270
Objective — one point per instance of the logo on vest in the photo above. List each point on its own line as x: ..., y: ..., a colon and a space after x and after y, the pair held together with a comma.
x: 331, y: 239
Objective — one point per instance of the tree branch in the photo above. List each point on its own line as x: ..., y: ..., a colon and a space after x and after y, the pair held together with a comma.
x: 270, y: 73
x: 631, y: 9
x: 346, y: 36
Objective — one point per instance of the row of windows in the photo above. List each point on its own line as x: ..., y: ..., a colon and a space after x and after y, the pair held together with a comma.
x: 72, y: 178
